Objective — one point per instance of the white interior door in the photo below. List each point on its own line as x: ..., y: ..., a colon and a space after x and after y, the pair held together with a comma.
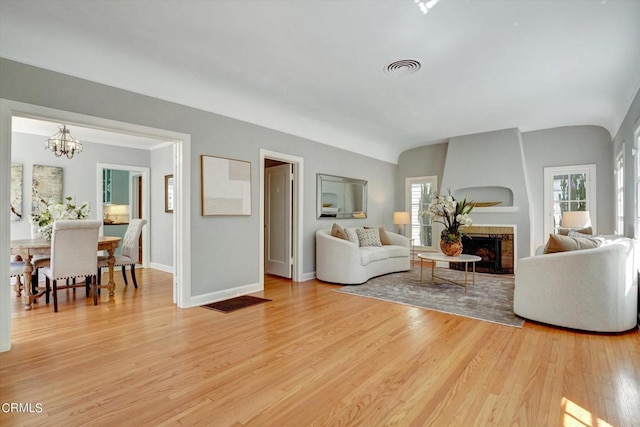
x: 278, y: 185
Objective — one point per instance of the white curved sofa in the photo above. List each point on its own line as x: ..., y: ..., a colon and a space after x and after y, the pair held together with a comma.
x: 591, y: 289
x: 341, y: 261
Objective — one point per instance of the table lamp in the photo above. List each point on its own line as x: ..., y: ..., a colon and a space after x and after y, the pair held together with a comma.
x: 400, y: 219
x: 576, y: 219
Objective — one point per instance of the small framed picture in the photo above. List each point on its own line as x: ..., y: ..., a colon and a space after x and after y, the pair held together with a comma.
x: 168, y: 193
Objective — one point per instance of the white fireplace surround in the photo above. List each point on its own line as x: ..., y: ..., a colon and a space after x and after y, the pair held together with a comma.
x: 473, y: 171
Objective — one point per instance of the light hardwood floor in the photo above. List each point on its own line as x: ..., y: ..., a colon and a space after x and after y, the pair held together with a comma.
x: 312, y: 356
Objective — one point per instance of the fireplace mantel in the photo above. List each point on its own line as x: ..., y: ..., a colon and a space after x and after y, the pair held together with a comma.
x: 495, y: 209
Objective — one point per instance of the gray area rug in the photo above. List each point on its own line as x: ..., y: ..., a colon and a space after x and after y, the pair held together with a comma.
x: 490, y: 299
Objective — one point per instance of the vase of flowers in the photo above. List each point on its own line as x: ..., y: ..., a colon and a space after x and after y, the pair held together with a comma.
x: 45, y: 213
x: 452, y: 214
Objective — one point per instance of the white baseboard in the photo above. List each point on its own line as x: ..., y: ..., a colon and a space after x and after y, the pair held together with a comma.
x: 308, y: 276
x: 161, y: 267
x: 224, y: 294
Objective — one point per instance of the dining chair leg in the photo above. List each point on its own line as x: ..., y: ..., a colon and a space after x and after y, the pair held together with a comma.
x: 47, y: 290
x: 133, y: 275
x: 99, y: 275
x: 34, y: 281
x: 124, y: 274
x: 94, y: 283
x: 55, y: 297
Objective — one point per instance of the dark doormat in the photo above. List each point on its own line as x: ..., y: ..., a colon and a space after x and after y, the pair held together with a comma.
x: 236, y: 303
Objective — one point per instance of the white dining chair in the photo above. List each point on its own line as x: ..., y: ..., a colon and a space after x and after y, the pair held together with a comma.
x: 129, y: 255
x: 73, y: 254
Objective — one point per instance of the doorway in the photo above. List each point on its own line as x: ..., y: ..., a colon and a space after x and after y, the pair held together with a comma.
x: 287, y: 173
x: 137, y: 201
x: 278, y: 220
x: 181, y: 143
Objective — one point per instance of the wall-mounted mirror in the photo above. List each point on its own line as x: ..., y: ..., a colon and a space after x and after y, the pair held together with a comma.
x: 340, y: 197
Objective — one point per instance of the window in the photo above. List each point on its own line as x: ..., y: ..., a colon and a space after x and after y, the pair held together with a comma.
x: 417, y: 199
x: 618, y: 174
x: 568, y: 188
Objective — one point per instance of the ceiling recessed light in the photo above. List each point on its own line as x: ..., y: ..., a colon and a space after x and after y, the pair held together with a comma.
x: 404, y: 66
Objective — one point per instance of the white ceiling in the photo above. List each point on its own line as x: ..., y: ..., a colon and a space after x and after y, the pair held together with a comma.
x: 47, y: 129
x: 315, y: 68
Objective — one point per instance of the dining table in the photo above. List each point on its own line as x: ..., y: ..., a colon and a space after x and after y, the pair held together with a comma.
x: 28, y: 248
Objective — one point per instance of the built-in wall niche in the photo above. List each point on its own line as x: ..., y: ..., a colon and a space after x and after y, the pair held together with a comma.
x: 486, y: 196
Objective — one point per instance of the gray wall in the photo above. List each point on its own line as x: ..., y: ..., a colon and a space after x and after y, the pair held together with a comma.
x: 161, y: 222
x: 625, y: 136
x: 421, y: 161
x: 224, y: 250
x: 79, y: 173
x: 572, y: 145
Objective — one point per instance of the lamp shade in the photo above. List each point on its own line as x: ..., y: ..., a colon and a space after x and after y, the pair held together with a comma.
x: 401, y: 218
x: 576, y: 219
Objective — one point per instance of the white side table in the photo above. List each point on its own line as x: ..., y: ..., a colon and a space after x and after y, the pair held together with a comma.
x: 463, y: 258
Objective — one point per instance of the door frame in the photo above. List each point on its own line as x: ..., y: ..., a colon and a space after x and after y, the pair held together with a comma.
x: 282, y: 267
x: 296, y: 220
x: 182, y: 212
x: 146, y: 201
x: 548, y: 202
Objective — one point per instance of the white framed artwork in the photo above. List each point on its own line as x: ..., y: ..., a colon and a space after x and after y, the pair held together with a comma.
x: 225, y: 186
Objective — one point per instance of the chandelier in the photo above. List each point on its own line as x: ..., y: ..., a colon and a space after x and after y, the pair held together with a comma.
x: 63, y: 143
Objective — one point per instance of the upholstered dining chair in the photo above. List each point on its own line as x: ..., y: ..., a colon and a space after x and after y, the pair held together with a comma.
x: 16, y: 269
x: 74, y: 244
x: 129, y: 255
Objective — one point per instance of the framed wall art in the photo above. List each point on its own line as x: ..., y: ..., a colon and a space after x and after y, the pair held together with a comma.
x: 46, y: 184
x: 168, y: 193
x: 16, y: 191
x: 225, y: 186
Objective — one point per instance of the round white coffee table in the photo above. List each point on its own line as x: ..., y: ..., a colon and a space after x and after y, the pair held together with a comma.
x: 462, y: 258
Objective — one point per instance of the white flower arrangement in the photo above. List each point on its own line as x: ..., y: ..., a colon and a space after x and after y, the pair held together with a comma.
x: 452, y: 214
x: 48, y: 212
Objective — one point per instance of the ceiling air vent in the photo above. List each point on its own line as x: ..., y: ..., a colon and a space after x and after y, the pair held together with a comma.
x: 404, y: 66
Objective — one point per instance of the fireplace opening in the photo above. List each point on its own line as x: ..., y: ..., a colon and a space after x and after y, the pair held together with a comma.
x: 490, y: 249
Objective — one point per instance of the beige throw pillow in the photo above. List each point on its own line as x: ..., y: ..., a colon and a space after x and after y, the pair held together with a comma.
x: 559, y: 243
x: 384, y: 238
x: 337, y: 231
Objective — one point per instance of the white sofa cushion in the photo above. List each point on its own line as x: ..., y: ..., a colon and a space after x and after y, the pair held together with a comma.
x: 373, y: 253
x: 370, y: 254
x: 395, y: 251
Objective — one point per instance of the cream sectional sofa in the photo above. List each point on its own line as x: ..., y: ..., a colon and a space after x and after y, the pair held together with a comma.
x: 344, y: 262
x: 591, y: 289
